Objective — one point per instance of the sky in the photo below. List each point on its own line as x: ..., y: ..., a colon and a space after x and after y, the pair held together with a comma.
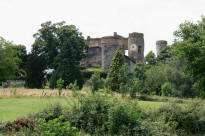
x: 157, y: 19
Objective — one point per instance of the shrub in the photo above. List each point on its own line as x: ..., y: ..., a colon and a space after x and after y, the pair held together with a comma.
x: 91, y: 115
x: 56, y: 127
x: 166, y: 89
x: 155, y: 78
x: 73, y: 87
x: 60, y: 83
x: 125, y: 119
x: 96, y: 82
x: 189, y: 120
x: 50, y: 113
x: 88, y: 74
x: 97, y: 115
x: 19, y: 124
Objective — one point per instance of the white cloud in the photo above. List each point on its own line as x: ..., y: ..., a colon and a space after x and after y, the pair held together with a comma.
x: 157, y: 19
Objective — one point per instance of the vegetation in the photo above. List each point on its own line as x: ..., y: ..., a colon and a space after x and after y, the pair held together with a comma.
x: 96, y: 82
x: 162, y: 90
x: 11, y: 60
x: 62, y: 46
x: 113, y: 82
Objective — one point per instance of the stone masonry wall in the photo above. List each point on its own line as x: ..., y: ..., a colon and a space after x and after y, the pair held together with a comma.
x: 94, y: 57
x: 136, y: 46
x: 108, y: 51
x: 160, y: 46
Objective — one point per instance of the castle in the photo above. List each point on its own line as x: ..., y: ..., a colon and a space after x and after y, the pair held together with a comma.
x: 102, y: 50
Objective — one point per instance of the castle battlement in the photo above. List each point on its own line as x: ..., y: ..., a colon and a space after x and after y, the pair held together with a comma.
x: 101, y: 50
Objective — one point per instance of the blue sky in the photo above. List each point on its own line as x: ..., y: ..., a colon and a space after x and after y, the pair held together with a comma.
x: 157, y: 19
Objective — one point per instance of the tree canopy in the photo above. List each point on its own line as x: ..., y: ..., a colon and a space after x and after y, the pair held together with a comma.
x: 10, y: 59
x: 63, y: 47
x: 190, y: 45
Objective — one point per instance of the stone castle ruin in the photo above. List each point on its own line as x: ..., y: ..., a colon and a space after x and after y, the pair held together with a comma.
x: 160, y: 46
x: 102, y: 50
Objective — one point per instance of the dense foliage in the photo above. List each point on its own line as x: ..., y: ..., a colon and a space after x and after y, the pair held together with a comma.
x: 35, y: 67
x: 62, y: 46
x: 190, y: 45
x: 113, y: 82
x: 12, y: 60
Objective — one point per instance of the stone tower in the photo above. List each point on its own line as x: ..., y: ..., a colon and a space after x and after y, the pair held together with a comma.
x: 136, y: 46
x: 160, y: 46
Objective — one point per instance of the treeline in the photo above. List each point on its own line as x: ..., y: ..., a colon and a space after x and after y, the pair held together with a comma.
x: 12, y: 60
x: 58, y: 49
x: 178, y: 71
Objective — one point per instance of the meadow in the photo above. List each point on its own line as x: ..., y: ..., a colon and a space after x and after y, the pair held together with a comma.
x: 20, y: 102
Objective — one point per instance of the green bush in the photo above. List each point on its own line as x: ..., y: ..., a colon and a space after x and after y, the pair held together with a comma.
x: 96, y: 82
x: 50, y: 113
x: 125, y: 119
x: 98, y: 115
x: 88, y: 74
x: 155, y: 78
x: 166, y: 89
x: 90, y: 115
x: 73, y: 87
x: 56, y: 127
x: 177, y: 120
x: 60, y: 83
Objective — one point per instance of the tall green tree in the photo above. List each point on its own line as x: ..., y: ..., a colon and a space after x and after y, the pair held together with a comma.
x: 21, y: 54
x: 47, y: 41
x: 63, y: 47
x: 165, y: 56
x: 190, y: 45
x: 8, y: 60
x: 35, y: 67
x: 113, y: 74
x: 139, y: 73
x: 150, y: 58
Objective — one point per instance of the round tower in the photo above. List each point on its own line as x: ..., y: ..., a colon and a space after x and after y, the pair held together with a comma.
x: 160, y: 46
x: 136, y: 46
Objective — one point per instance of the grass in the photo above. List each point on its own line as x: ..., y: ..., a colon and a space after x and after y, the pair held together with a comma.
x: 94, y: 69
x: 28, y: 101
x: 13, y: 108
x: 148, y: 105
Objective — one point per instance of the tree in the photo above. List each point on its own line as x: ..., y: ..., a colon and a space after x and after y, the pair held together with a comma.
x: 190, y: 45
x: 63, y: 47
x: 21, y: 54
x: 47, y: 41
x: 165, y: 55
x: 8, y: 60
x: 150, y: 58
x: 155, y: 77
x: 181, y: 84
x: 139, y: 73
x: 35, y: 67
x: 113, y: 74
x: 96, y: 82
x: 72, y: 50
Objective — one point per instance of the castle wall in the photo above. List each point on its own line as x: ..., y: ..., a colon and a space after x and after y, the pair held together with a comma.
x: 136, y: 46
x: 102, y: 50
x: 108, y: 40
x: 94, y: 57
x: 130, y: 63
x: 160, y: 46
x: 93, y: 42
x: 108, y: 51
